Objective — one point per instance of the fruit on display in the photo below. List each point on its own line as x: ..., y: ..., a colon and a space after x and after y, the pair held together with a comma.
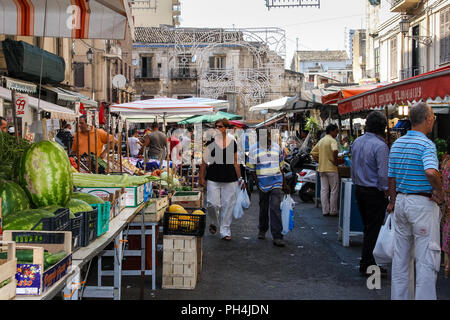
x: 200, y: 212
x: 45, y: 174
x: 52, y: 208
x: 26, y: 220
x: 13, y: 197
x: 87, y: 197
x: 105, y: 180
x: 10, y: 154
x: 176, y: 208
x: 77, y: 205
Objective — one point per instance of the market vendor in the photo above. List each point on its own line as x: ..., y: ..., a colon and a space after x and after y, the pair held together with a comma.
x: 3, y: 125
x: 102, y: 139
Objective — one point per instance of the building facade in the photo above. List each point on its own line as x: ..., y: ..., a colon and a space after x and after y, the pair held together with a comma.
x: 153, y: 13
x: 406, y: 38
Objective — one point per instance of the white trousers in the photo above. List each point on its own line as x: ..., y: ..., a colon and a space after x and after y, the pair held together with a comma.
x: 220, y: 198
x: 416, y: 220
x: 329, y: 192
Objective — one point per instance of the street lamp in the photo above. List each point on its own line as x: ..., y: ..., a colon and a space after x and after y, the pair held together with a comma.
x: 90, y: 57
x: 404, y: 29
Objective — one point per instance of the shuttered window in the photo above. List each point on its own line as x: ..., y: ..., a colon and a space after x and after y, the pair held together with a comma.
x: 394, y: 57
x: 79, y: 74
x: 445, y: 36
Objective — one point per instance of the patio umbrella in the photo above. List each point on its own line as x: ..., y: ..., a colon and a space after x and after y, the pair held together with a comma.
x: 274, y: 105
x: 211, y: 118
x: 217, y: 104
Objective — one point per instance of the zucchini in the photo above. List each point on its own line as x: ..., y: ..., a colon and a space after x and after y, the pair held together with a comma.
x: 54, y: 258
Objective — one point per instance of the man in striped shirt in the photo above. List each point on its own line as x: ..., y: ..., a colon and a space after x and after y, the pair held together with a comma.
x: 265, y: 159
x: 415, y: 190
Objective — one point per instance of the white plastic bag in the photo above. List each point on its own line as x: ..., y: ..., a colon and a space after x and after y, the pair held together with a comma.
x: 242, y: 202
x: 384, y: 248
x: 287, y: 214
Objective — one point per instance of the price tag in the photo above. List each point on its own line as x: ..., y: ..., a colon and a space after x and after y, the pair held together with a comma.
x: 113, y: 125
x: 89, y: 118
x: 96, y: 121
x: 120, y: 125
x: 21, y: 103
x: 77, y: 109
x: 55, y: 124
x: 49, y: 124
x: 126, y: 126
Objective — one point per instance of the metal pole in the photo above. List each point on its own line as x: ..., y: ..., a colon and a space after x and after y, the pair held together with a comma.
x: 13, y: 93
x: 78, y: 143
x: 388, y: 130
x: 108, y: 131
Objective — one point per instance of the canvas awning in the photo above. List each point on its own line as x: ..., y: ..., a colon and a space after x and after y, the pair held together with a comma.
x: 161, y: 106
x: 347, y: 92
x: 79, y: 19
x: 57, y: 112
x: 72, y: 96
x: 274, y: 105
x: 208, y: 118
x: 217, y: 104
x: 432, y: 87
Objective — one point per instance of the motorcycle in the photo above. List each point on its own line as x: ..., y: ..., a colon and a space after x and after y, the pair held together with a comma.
x: 306, y: 185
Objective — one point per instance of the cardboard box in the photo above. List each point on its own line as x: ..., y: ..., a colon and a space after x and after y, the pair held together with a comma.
x: 8, y: 271
x: 133, y: 196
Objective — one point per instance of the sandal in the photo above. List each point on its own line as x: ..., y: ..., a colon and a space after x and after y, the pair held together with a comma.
x: 226, y: 238
x: 212, y: 229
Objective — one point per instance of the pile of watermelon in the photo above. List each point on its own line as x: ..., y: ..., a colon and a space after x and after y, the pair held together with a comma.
x: 42, y: 183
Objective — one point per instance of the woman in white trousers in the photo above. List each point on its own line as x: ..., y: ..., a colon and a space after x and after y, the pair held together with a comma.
x: 223, y: 175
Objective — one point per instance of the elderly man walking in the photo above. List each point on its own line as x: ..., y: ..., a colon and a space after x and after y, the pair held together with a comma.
x: 326, y: 152
x: 370, y: 155
x: 415, y: 190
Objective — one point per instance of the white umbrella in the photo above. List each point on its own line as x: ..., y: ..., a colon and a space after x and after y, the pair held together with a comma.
x: 218, y: 104
x: 274, y: 105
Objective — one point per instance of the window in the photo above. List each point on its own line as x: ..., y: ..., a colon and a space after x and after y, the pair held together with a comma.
x: 217, y: 62
x: 445, y: 36
x: 377, y: 62
x: 146, y: 67
x: 184, y: 65
x: 126, y: 71
x: 393, y: 45
x: 78, y: 74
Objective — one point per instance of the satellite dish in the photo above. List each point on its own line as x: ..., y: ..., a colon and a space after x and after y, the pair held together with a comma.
x: 119, y: 81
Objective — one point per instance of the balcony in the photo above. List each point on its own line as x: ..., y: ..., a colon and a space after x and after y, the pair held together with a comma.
x: 403, y: 5
x: 411, y: 72
x: 183, y: 73
x: 149, y: 75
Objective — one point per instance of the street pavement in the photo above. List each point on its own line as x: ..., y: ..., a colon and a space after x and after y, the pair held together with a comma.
x: 313, y: 265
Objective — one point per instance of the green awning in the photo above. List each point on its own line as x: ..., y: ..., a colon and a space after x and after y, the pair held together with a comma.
x: 211, y: 118
x: 23, y: 61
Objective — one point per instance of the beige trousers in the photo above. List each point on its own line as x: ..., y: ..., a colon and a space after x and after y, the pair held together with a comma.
x: 329, y: 192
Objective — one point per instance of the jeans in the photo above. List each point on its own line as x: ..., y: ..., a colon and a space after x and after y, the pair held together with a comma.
x: 269, y: 207
x: 372, y: 206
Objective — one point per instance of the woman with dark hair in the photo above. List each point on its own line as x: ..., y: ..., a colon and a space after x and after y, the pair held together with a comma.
x: 445, y: 167
x: 222, y: 174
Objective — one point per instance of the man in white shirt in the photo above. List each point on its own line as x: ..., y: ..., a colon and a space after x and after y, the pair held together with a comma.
x: 134, y: 143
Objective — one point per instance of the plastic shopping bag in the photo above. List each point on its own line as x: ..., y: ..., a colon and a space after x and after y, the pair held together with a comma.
x: 287, y: 214
x: 242, y: 202
x: 384, y: 248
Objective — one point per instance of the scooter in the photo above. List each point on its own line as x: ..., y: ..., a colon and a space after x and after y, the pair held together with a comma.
x: 306, y: 185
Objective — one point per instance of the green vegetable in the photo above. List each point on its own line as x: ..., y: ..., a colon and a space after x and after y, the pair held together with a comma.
x: 10, y: 154
x: 54, y: 258
x: 113, y: 181
x: 4, y: 283
x: 13, y: 197
x: 45, y: 173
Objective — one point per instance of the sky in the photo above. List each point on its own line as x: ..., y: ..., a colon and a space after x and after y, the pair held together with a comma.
x: 316, y: 29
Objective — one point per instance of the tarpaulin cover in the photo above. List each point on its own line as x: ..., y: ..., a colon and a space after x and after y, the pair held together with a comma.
x: 23, y: 61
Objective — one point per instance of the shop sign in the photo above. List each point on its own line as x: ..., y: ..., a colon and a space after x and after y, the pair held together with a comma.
x: 21, y: 104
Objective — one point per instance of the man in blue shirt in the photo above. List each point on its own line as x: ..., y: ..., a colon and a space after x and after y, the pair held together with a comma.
x: 265, y: 159
x: 370, y: 156
x: 415, y: 191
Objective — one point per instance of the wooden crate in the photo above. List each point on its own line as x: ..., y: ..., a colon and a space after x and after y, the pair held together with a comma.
x: 192, y: 199
x: 157, y: 204
x: 182, y: 260
x: 8, y: 271
x: 151, y: 217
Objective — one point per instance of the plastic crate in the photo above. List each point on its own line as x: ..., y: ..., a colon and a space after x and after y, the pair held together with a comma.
x: 75, y: 227
x: 184, y: 224
x: 103, y: 217
x: 36, y: 237
x: 88, y: 230
x: 60, y: 222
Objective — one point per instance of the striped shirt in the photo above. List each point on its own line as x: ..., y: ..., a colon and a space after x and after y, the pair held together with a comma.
x: 410, y: 156
x: 267, y: 164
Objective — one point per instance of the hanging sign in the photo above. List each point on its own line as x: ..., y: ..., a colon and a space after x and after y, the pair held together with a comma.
x: 21, y: 104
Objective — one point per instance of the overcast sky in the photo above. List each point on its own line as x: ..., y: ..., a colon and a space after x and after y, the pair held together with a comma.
x: 317, y: 29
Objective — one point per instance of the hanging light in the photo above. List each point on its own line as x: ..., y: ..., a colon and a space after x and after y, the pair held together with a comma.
x: 404, y: 25
x: 90, y: 55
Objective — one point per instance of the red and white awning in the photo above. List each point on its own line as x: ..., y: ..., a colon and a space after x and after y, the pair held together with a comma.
x: 79, y: 19
x: 161, y: 106
x: 432, y: 87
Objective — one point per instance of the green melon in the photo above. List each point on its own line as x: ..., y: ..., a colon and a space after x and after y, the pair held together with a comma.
x: 77, y: 205
x: 13, y: 197
x: 87, y: 197
x: 45, y: 174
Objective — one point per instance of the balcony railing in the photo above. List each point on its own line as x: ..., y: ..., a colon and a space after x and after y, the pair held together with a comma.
x: 149, y: 75
x: 411, y: 72
x: 183, y: 73
x: 403, y: 5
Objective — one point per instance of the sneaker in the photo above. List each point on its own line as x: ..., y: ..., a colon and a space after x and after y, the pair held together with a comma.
x: 279, y: 242
x: 261, y: 235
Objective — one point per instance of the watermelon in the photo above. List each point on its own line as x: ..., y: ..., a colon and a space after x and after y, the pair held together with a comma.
x: 13, y: 197
x: 25, y: 220
x: 77, y: 205
x: 87, y: 197
x: 53, y: 209
x: 46, y: 175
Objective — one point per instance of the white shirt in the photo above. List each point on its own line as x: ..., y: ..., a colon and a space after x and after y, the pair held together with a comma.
x: 134, y: 146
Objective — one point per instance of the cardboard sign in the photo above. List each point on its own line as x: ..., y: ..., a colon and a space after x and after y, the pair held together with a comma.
x: 55, y: 124
x: 89, y: 118
x: 120, y: 125
x: 77, y: 109
x: 21, y: 104
x: 113, y: 125
x: 96, y: 120
x: 28, y: 277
